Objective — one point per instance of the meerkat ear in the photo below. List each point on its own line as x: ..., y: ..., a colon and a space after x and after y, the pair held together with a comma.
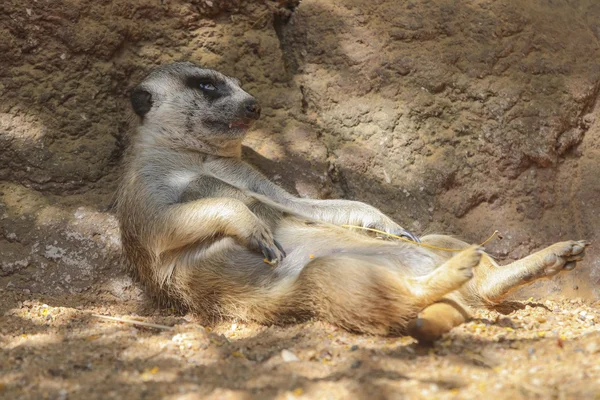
x: 141, y: 101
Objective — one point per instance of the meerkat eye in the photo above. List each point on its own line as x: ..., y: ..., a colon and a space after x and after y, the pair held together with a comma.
x: 207, y: 86
x: 210, y: 88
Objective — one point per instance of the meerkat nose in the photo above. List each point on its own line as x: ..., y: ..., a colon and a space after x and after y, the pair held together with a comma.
x: 252, y: 109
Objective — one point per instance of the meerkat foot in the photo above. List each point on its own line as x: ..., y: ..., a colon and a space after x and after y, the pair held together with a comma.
x: 559, y: 257
x: 448, y: 277
x: 562, y: 256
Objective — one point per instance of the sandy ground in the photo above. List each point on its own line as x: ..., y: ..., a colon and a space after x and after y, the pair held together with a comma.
x: 55, y: 348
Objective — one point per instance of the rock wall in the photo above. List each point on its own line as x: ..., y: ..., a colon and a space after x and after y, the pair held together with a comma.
x: 460, y: 117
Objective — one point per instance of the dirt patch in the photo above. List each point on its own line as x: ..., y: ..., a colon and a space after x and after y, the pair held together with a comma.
x: 454, y: 117
x: 55, y: 348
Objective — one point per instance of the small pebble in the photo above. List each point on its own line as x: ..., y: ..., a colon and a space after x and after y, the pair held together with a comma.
x: 288, y: 356
x: 592, y: 348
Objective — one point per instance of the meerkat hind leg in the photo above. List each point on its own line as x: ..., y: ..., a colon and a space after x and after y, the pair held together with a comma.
x: 442, y: 312
x: 358, y: 293
x: 493, y: 282
x: 546, y: 263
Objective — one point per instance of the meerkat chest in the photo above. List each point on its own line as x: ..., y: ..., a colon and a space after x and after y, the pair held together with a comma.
x: 184, y: 185
x: 232, y: 173
x: 179, y: 179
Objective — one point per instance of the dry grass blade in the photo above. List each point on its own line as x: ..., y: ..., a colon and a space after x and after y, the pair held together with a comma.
x: 134, y: 322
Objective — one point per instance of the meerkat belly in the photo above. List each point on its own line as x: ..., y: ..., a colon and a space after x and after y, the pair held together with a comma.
x: 305, y: 241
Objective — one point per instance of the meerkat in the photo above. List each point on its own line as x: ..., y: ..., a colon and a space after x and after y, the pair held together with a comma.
x: 205, y: 231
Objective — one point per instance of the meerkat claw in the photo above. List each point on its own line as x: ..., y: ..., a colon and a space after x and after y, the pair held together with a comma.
x: 280, y: 248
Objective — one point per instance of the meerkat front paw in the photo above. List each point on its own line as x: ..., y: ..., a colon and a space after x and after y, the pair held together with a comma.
x: 261, y: 240
x: 562, y: 256
x: 387, y: 225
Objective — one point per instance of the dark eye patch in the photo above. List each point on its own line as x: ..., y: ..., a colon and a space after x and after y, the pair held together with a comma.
x: 209, y: 86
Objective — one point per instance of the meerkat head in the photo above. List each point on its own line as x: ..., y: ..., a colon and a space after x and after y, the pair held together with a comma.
x: 187, y: 103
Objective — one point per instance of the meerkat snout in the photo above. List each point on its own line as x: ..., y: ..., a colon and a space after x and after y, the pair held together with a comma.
x: 249, y: 111
x: 252, y: 109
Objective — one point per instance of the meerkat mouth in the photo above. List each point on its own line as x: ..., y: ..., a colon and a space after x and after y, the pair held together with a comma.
x: 240, y: 124
x: 237, y: 125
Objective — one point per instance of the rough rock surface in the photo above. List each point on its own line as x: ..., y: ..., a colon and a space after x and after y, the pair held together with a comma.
x: 460, y: 117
